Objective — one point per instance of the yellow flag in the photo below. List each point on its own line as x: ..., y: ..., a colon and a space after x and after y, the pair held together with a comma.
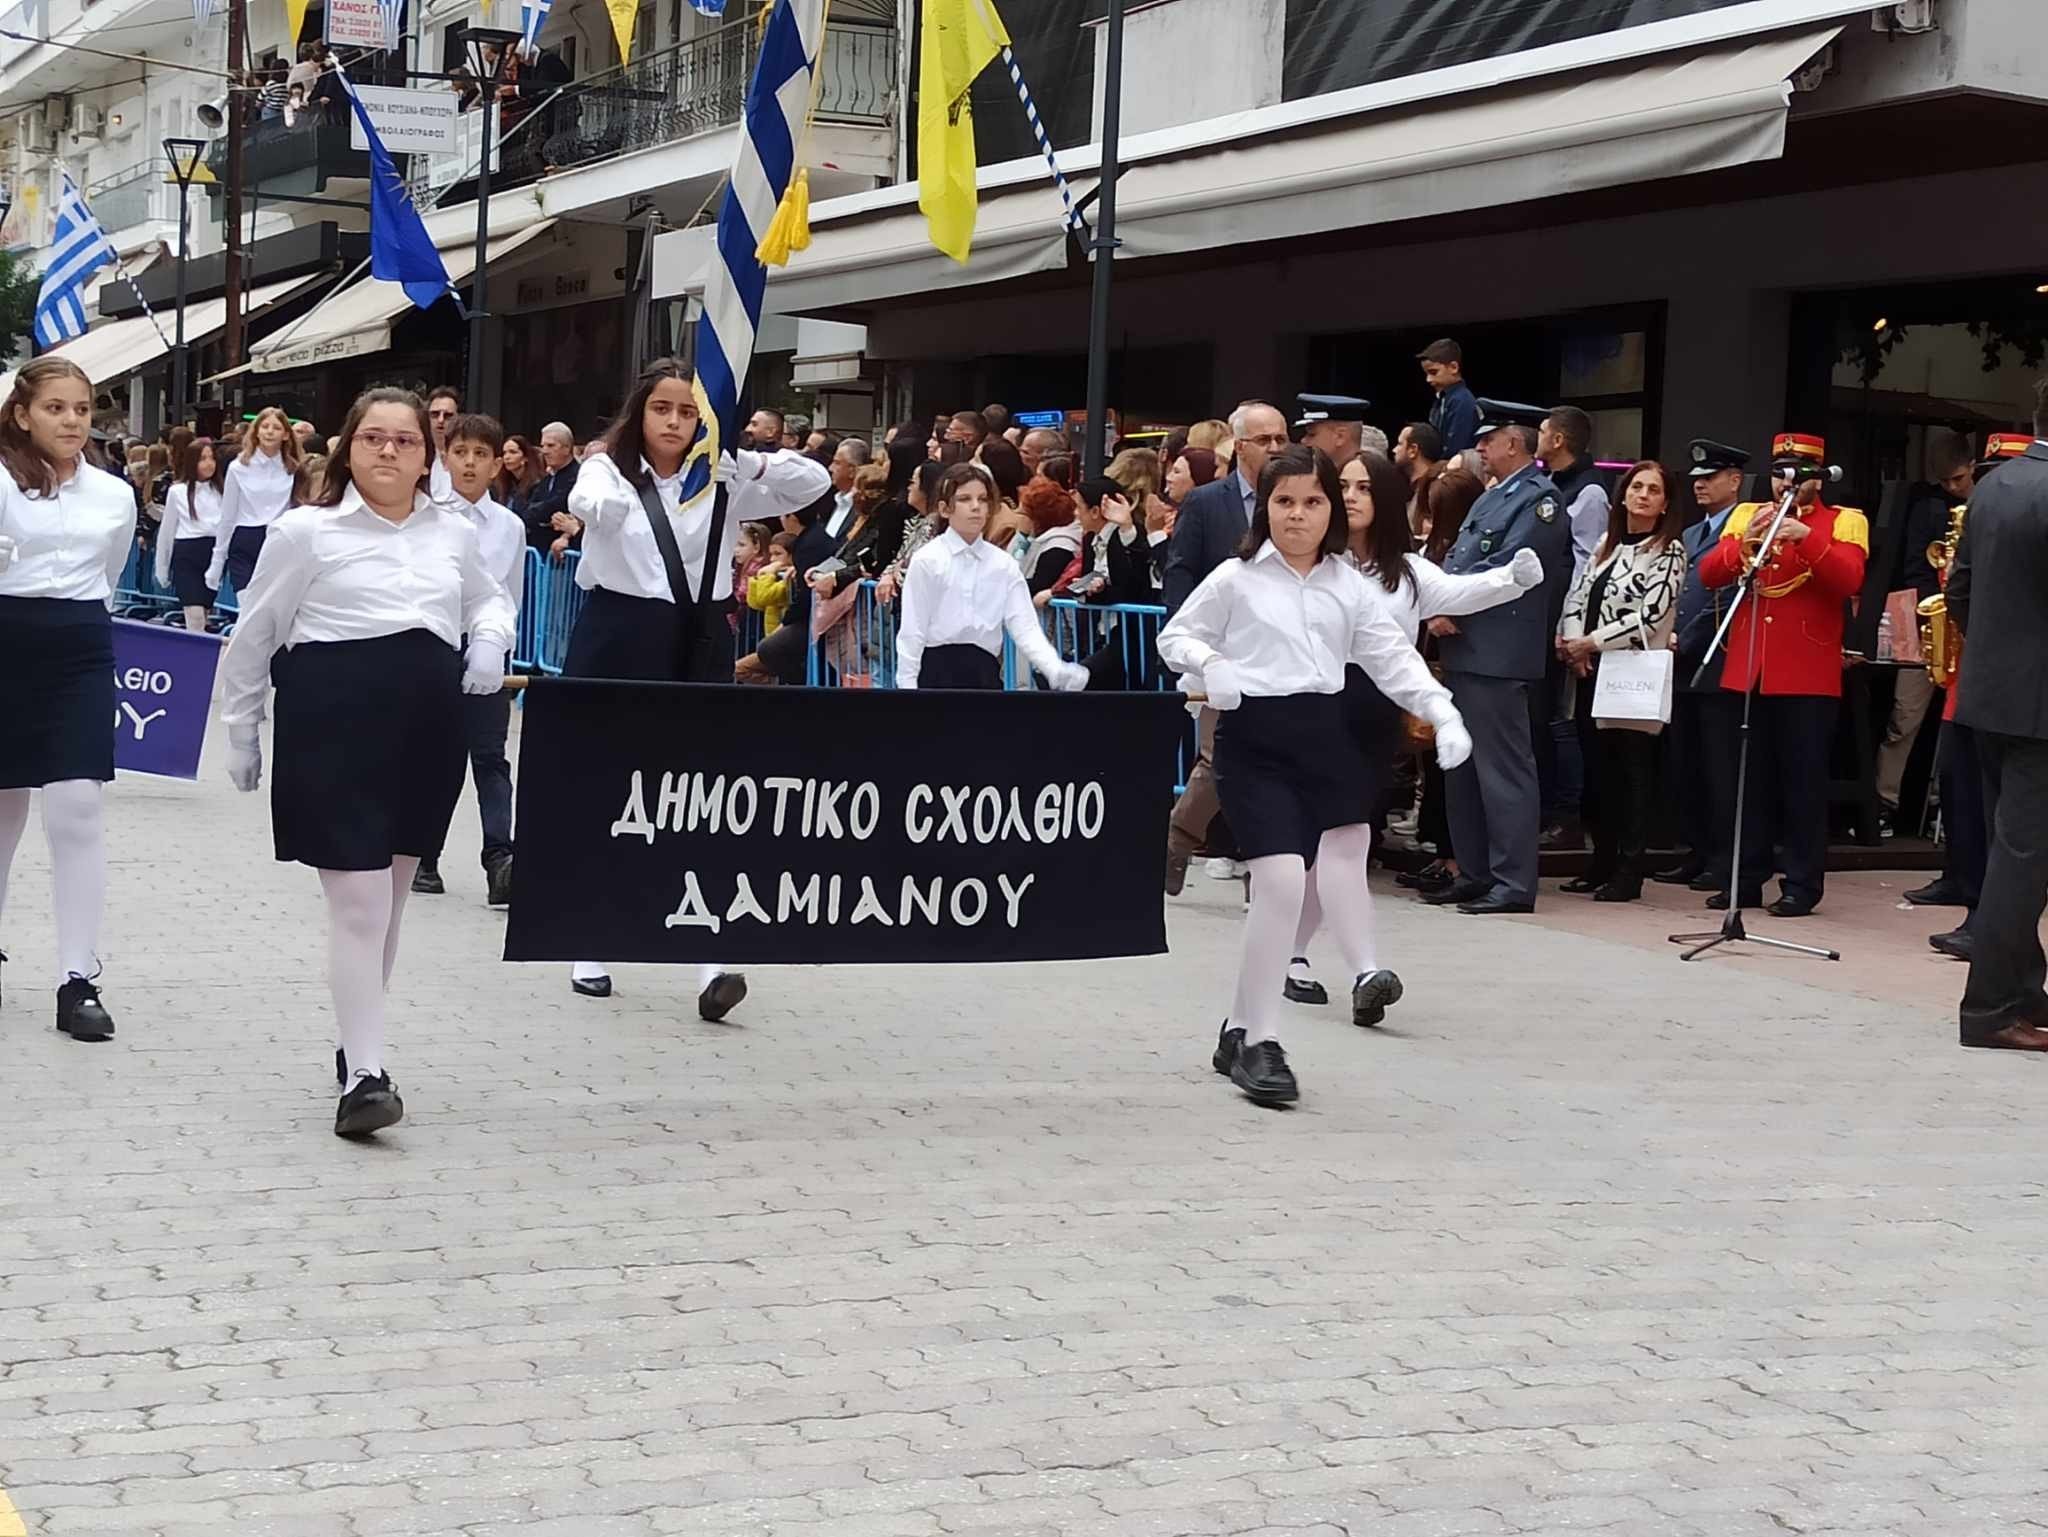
x: 958, y: 40
x: 623, y: 13
x: 294, y: 18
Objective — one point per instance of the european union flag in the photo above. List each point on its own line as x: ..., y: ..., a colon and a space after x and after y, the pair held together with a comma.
x: 401, y: 250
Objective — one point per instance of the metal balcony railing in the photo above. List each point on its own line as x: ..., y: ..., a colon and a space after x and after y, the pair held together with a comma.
x: 126, y: 198
x: 678, y: 93
x: 304, y: 154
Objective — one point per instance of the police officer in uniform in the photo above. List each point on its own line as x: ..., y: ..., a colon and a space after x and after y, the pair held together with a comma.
x: 1331, y: 423
x: 1706, y: 720
x: 1810, y: 571
x: 1491, y: 660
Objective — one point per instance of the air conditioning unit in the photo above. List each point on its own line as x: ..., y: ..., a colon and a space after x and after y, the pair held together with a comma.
x: 37, y: 136
x: 87, y: 121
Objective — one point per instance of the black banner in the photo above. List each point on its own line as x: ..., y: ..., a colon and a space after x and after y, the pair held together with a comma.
x: 676, y: 822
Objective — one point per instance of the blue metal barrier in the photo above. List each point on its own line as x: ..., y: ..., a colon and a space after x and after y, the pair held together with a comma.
x: 547, y: 613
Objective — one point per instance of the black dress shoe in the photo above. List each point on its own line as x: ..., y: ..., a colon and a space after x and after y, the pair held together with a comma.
x: 80, y: 1014
x: 1306, y: 990
x: 1493, y: 902
x: 340, y: 1068
x: 1581, y: 885
x: 1706, y: 880
x: 1564, y: 836
x: 1430, y: 877
x: 426, y: 880
x: 1620, y: 889
x: 1941, y: 892
x: 1262, y: 1072
x: 1229, y: 1042
x: 1372, y: 995
x: 1176, y: 871
x: 1679, y: 875
x: 1956, y: 942
x: 371, y: 1105
x: 1460, y: 890
x: 498, y: 880
x: 592, y: 987
x: 725, y: 992
x: 1791, y: 907
x: 1718, y: 902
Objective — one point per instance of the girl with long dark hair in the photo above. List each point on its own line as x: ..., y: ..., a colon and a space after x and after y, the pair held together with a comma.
x: 66, y: 527
x: 638, y: 623
x: 1267, y: 637
x: 192, y: 514
x: 357, y: 607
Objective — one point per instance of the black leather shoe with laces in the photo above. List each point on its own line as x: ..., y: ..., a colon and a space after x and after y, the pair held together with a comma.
x: 370, y: 1105
x: 1372, y: 994
x: 1229, y: 1042
x: 1261, y: 1070
x: 80, y: 1014
x: 726, y: 992
x: 426, y: 880
x: 498, y: 880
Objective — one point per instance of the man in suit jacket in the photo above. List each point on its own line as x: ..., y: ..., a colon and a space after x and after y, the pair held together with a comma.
x: 1207, y: 531
x: 550, y: 494
x: 1998, y: 597
x: 1706, y: 721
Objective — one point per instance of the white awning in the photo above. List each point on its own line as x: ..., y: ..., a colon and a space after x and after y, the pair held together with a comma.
x: 358, y: 319
x: 112, y: 351
x: 1311, y: 167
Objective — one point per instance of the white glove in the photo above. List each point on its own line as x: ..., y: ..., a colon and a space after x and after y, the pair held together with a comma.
x: 1071, y: 678
x: 1219, y: 682
x: 1453, y: 742
x: 8, y: 550
x: 483, y: 669
x: 245, y: 756
x: 1527, y: 567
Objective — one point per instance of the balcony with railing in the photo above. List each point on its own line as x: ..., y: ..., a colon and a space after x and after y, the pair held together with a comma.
x: 300, y: 156
x: 128, y: 198
x: 694, y: 88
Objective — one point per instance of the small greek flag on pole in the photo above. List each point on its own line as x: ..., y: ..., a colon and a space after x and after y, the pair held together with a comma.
x: 533, y: 15
x: 712, y: 8
x: 79, y: 249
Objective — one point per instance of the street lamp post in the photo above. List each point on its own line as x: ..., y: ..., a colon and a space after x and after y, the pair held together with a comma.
x: 1104, y: 244
x: 488, y: 66
x: 183, y: 155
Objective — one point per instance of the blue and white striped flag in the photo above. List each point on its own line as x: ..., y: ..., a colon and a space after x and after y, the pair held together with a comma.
x: 79, y: 249
x: 712, y: 8
x: 772, y: 125
x: 202, y: 12
x: 533, y: 15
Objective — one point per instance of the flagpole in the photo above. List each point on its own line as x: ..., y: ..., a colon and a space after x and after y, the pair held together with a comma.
x: 231, y: 220
x: 1104, y: 243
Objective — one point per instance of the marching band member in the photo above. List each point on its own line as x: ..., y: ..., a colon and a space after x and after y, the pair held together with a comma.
x: 1412, y: 588
x: 66, y: 528
x: 356, y: 607
x: 184, y: 544
x: 258, y: 488
x: 961, y: 595
x: 658, y: 571
x: 1268, y: 636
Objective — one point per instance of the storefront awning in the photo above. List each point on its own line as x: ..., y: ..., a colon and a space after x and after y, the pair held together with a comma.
x: 111, y: 352
x: 358, y: 319
x: 1310, y: 167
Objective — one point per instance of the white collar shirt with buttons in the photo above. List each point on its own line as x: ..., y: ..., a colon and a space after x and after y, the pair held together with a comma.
x: 502, y: 539
x: 258, y: 489
x: 348, y: 573
x: 619, y: 549
x: 190, y: 512
x: 1283, y: 633
x: 961, y: 594
x: 72, y: 545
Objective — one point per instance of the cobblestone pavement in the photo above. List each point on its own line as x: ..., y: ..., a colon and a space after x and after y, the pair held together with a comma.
x: 1589, y: 1241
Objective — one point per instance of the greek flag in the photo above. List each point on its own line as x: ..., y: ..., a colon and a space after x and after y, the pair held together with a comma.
x: 772, y: 123
x: 533, y: 15
x: 202, y: 12
x: 79, y: 250
x: 712, y: 8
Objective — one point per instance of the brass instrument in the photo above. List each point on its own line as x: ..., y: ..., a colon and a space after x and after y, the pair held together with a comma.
x: 1941, y: 643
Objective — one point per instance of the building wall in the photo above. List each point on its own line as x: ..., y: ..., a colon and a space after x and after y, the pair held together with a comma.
x: 1190, y: 59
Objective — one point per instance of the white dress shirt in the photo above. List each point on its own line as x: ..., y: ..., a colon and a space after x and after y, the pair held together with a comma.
x: 348, y: 573
x: 619, y: 551
x: 1436, y: 593
x: 258, y: 489
x: 71, y: 545
x: 501, y: 538
x: 440, y: 484
x: 961, y: 594
x: 842, y: 509
x: 1285, y: 633
x: 1588, y: 516
x: 186, y: 516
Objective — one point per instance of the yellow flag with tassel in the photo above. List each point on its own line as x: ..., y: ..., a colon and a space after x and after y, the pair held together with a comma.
x: 624, y: 14
x: 790, y: 229
x: 295, y: 18
x: 959, y: 39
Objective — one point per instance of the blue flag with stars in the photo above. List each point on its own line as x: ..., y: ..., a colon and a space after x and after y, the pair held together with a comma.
x: 401, y: 250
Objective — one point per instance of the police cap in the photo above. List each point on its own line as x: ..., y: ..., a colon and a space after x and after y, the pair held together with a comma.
x: 1330, y: 408
x: 1496, y: 414
x: 1710, y: 458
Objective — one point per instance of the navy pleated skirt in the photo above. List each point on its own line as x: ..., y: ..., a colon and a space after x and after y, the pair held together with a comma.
x: 189, y: 560
x: 1288, y: 769
x: 959, y: 666
x: 56, y: 691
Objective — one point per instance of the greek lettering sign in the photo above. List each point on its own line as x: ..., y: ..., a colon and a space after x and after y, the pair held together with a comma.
x: 682, y: 823
x: 163, y: 691
x: 409, y: 122
x: 362, y: 24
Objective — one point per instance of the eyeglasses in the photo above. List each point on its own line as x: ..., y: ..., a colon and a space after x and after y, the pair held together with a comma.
x: 1269, y: 439
x: 377, y: 440
x: 446, y: 413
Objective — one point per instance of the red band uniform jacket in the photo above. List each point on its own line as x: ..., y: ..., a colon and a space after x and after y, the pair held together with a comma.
x: 1799, y: 598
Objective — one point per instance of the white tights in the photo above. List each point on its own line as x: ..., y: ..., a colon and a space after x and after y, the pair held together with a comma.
x: 364, y: 908
x: 74, y: 822
x: 1362, y: 929
x: 1279, y: 891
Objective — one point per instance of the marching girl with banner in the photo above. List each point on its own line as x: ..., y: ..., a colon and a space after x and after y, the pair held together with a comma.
x: 657, y: 564
x: 184, y: 544
x: 66, y: 529
x: 356, y: 607
x: 1267, y: 636
x: 258, y: 487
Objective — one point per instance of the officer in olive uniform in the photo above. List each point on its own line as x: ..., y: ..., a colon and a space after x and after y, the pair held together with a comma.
x: 1706, y: 720
x: 1491, y: 659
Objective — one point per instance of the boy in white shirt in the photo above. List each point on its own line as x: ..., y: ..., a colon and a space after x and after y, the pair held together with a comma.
x: 473, y: 455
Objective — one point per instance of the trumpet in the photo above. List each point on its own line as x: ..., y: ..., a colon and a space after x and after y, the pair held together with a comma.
x: 1760, y: 536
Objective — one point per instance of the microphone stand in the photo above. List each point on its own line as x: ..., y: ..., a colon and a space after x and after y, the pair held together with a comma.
x: 1732, y: 929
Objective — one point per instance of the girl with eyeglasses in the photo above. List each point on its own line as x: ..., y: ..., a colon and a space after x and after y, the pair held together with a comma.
x: 356, y: 609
